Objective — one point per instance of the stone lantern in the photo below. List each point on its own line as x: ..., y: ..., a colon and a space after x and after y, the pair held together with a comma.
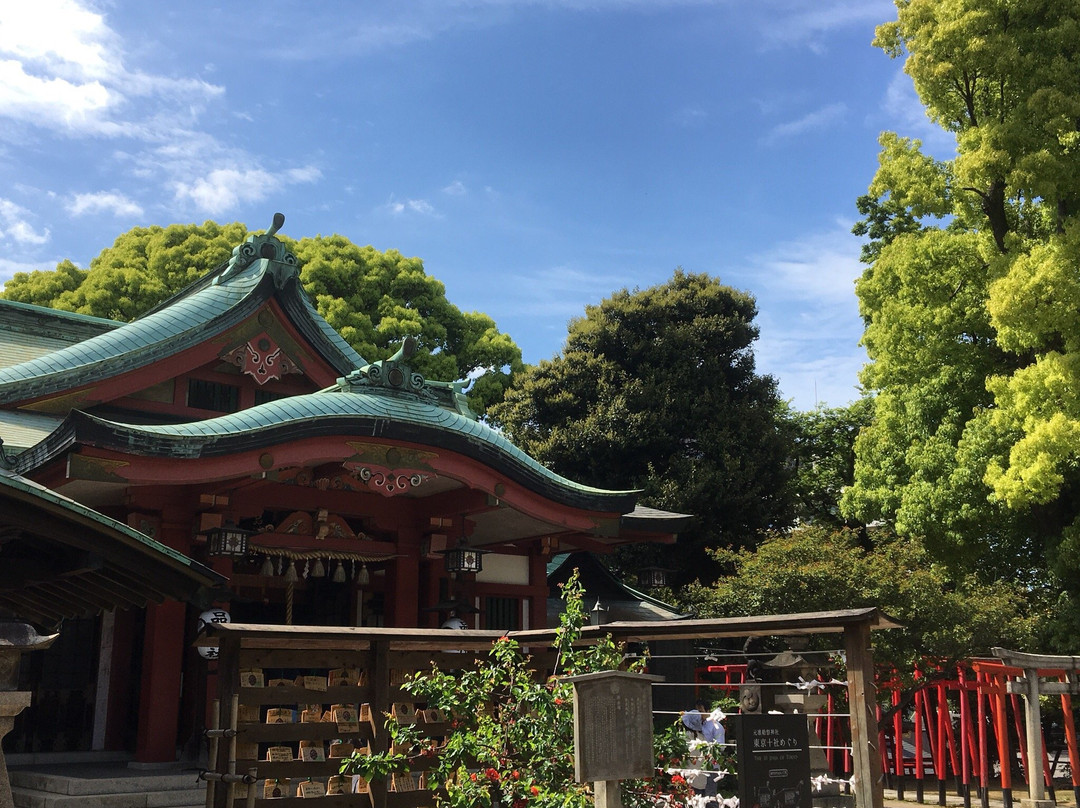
x: 16, y: 638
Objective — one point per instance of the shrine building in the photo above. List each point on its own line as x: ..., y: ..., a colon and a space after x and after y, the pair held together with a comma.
x: 232, y: 424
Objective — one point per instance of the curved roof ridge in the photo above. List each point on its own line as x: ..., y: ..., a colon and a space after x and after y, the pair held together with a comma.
x: 328, y: 413
x: 223, y: 298
x: 59, y: 370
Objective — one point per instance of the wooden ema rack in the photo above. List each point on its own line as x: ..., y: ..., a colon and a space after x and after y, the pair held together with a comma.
x: 264, y: 686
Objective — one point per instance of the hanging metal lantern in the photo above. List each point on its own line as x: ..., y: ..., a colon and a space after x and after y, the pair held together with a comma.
x: 654, y: 577
x: 231, y: 541
x: 463, y: 558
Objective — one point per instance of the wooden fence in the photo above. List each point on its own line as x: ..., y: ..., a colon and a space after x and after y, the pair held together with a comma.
x: 271, y: 728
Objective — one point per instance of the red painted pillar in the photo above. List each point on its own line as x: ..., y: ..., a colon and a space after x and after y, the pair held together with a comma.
x: 403, y: 586
x: 159, y: 699
x: 163, y: 658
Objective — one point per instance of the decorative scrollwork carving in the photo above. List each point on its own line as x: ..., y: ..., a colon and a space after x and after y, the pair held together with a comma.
x: 387, y: 482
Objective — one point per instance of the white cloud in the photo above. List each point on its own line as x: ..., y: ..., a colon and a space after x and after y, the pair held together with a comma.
x: 559, y: 291
x: 303, y: 175
x: 787, y: 23
x: 904, y: 113
x: 812, y: 121
x: 820, y: 267
x: 689, y: 116
x: 104, y: 202
x: 419, y: 206
x: 224, y: 188
x: 62, y: 36
x: 14, y: 225
x: 456, y: 188
x: 64, y: 72
x: 809, y: 315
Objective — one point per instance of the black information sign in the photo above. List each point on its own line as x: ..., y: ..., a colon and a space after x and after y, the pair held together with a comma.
x: 774, y: 761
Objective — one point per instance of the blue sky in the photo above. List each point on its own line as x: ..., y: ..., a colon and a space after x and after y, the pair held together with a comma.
x: 536, y: 154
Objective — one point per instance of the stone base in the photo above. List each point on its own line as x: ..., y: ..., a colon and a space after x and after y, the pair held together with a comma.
x: 1027, y: 803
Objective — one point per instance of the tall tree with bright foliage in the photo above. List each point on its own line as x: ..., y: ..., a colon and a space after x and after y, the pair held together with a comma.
x: 971, y: 298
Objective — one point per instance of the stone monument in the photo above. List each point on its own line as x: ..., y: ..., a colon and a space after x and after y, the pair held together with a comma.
x: 613, y: 731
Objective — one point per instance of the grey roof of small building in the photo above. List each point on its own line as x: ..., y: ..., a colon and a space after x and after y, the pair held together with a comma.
x: 19, y: 430
x: 28, y: 331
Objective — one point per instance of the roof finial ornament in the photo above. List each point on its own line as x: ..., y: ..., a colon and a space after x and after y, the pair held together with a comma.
x: 279, y: 220
x: 264, y: 246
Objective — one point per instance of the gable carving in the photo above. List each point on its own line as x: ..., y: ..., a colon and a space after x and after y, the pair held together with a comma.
x: 262, y: 359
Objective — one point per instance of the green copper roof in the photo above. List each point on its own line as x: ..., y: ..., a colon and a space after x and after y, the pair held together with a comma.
x: 387, y: 415
x: 259, y: 269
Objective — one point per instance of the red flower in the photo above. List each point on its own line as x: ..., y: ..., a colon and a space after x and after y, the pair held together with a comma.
x: 492, y: 774
x: 678, y: 779
x: 534, y: 790
x: 558, y: 702
x: 473, y: 777
x: 515, y: 774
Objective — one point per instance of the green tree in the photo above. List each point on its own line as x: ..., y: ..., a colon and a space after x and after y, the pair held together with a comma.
x: 656, y: 389
x: 372, y: 298
x: 824, y: 459
x: 970, y: 296
x: 946, y: 616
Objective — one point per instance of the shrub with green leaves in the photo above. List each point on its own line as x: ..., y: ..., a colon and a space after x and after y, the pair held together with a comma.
x: 511, y: 739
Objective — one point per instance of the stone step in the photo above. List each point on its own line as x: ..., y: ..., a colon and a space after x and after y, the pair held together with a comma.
x: 66, y: 781
x: 174, y: 798
x: 110, y: 786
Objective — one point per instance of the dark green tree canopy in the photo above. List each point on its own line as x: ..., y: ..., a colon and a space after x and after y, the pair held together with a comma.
x: 373, y: 298
x: 656, y: 389
x: 945, y: 616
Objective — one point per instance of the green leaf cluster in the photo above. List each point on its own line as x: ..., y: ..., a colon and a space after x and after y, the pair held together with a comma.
x: 656, y: 389
x: 824, y: 459
x: 946, y: 616
x: 374, y: 299
x: 971, y: 294
x: 512, y: 738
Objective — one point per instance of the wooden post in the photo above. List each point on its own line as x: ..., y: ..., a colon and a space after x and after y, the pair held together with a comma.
x: 159, y: 700
x: 380, y: 706
x: 606, y: 794
x: 228, y: 688
x: 866, y: 756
